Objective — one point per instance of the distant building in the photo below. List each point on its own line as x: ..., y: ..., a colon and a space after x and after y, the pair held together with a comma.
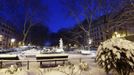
x: 7, y: 32
x: 122, y: 25
x: 96, y: 31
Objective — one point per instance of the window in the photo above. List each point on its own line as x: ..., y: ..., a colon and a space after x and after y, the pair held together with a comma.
x: 2, y: 30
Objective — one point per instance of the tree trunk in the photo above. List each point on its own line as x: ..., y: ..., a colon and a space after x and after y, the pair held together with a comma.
x: 124, y: 72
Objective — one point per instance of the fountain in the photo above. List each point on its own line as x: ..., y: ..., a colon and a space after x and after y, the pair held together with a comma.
x: 61, y: 43
x: 60, y: 49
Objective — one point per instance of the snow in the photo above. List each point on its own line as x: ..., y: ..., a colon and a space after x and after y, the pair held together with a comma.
x: 73, y: 58
x: 59, y: 50
x: 115, y: 50
x: 85, y: 52
x: 36, y: 70
x: 7, y: 55
x: 49, y: 55
x: 31, y: 52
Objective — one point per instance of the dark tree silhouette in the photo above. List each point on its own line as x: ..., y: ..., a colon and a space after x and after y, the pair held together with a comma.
x: 38, y: 34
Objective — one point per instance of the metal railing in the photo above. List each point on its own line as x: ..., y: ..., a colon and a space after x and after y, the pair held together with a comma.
x: 45, y: 60
x: 28, y: 61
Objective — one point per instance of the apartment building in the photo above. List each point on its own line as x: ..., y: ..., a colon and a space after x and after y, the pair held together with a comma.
x: 122, y: 25
x: 97, y: 31
x: 7, y: 32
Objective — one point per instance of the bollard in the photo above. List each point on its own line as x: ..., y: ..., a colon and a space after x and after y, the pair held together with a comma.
x: 27, y: 65
x: 1, y: 64
x: 41, y: 64
x: 55, y: 62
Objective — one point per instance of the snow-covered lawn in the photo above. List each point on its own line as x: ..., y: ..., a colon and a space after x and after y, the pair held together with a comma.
x: 36, y: 70
x: 59, y: 70
x: 67, y: 69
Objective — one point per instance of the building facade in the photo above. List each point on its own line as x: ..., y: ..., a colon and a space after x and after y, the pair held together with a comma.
x: 122, y: 25
x: 7, y: 32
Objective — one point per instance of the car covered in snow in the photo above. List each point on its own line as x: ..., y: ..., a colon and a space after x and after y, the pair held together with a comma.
x: 92, y: 53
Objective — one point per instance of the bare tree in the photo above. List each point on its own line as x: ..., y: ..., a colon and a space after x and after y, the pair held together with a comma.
x: 88, y: 9
x: 33, y: 8
x: 121, y: 18
x: 72, y: 36
x: 85, y: 9
x: 27, y: 27
x: 132, y: 2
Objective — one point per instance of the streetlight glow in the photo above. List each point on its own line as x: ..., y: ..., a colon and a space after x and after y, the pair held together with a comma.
x: 1, y: 36
x: 12, y: 40
x: 117, y: 34
x: 89, y: 41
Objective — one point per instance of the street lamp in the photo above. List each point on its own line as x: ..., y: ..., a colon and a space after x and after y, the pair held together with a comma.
x: 1, y: 39
x: 12, y: 42
x: 89, y: 41
x: 117, y: 34
x: 1, y: 36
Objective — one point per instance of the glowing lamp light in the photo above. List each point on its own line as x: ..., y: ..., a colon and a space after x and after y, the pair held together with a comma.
x: 12, y: 40
x: 116, y: 34
x: 90, y: 41
x: 1, y: 37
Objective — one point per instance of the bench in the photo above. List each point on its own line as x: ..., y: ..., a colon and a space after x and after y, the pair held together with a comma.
x: 51, y: 57
x: 6, y: 57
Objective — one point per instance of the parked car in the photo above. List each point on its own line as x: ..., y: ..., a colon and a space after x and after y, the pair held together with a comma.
x: 85, y: 52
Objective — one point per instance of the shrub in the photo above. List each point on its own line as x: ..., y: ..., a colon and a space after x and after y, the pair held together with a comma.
x: 116, y: 54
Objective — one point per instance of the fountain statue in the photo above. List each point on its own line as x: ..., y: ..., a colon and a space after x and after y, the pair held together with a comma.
x: 60, y: 49
x: 61, y: 43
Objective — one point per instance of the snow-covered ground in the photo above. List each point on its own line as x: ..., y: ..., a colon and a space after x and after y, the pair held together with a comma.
x: 74, y: 58
x: 36, y: 70
x: 31, y: 52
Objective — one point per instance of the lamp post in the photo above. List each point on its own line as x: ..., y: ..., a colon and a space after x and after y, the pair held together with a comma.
x: 89, y: 42
x: 12, y: 42
x: 1, y: 36
x: 1, y: 39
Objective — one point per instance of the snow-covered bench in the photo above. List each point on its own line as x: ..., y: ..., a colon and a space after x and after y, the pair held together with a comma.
x: 51, y: 57
x: 6, y: 57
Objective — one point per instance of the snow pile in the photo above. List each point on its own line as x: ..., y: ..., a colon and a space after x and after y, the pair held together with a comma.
x: 13, y: 70
x: 68, y: 69
x: 31, y: 52
x: 97, y: 71
x: 116, y: 54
